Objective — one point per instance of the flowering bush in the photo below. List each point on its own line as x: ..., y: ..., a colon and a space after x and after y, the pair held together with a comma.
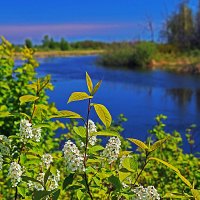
x: 33, y: 167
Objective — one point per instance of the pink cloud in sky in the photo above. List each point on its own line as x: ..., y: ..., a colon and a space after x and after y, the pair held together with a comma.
x: 20, y: 32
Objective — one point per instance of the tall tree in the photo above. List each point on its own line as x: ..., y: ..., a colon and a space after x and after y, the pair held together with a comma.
x: 64, y: 45
x: 180, y: 27
x: 28, y: 43
x: 197, y: 27
x: 46, y: 41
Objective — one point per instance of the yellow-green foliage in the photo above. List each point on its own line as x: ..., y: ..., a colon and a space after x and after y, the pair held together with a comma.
x: 88, y: 169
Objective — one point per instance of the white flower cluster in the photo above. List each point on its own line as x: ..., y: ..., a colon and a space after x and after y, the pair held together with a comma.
x: 47, y: 159
x: 28, y: 132
x: 73, y: 157
x: 149, y: 193
x: 91, y: 129
x: 1, y: 161
x: 112, y: 149
x: 52, y: 182
x: 15, y: 173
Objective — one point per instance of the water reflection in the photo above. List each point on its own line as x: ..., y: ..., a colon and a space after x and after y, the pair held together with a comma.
x: 198, y: 99
x: 181, y: 96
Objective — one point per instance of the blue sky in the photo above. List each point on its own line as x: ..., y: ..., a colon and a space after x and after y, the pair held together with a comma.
x: 107, y: 20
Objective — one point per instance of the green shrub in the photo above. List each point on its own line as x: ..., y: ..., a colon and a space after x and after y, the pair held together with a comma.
x: 33, y: 167
x: 129, y: 55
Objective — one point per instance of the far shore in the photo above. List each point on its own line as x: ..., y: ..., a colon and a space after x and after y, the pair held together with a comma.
x: 46, y: 54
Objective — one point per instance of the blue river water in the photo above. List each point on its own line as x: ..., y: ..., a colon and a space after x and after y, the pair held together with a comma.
x: 139, y: 95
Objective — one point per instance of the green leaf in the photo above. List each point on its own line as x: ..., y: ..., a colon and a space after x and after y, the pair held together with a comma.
x: 158, y: 143
x: 81, y: 131
x: 5, y: 114
x: 95, y: 149
x: 127, y: 164
x: 56, y: 195
x: 40, y: 194
x: 22, y: 191
x: 80, y: 194
x: 115, y: 181
x: 196, y: 194
x: 26, y: 179
x: 174, y: 169
x: 123, y: 175
x: 176, y: 196
x: 68, y: 181
x: 66, y: 114
x: 27, y: 98
x: 139, y: 143
x: 46, y: 176
x: 105, y: 133
x: 77, y: 96
x: 96, y: 87
x: 89, y: 83
x: 103, y: 114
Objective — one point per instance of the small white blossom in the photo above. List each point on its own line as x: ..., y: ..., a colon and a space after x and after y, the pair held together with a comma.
x: 1, y: 161
x: 91, y: 129
x: 28, y: 132
x: 36, y: 134
x: 73, y: 157
x: 111, y: 151
x: 92, y: 140
x: 149, y: 193
x: 53, y: 181
x: 15, y: 173
x: 91, y: 126
x: 47, y: 159
x: 25, y: 130
x: 40, y: 178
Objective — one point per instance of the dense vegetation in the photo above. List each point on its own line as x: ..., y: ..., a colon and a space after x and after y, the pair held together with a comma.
x: 33, y: 166
x: 49, y: 44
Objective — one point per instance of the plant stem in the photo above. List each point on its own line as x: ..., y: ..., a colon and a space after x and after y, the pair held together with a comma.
x: 16, y: 193
x: 86, y: 146
x: 145, y: 163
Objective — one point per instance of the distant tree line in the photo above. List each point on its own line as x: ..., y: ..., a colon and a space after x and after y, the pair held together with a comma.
x: 182, y: 28
x: 48, y: 43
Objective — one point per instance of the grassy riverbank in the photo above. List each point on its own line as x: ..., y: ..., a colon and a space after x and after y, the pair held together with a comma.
x: 57, y: 53
x: 147, y: 55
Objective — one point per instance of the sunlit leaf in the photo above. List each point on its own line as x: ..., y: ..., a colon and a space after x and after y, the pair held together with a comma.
x: 27, y: 98
x: 95, y: 149
x: 81, y: 131
x: 96, y: 87
x: 5, y: 114
x: 139, y: 143
x: 174, y: 169
x: 103, y: 114
x: 22, y: 191
x: 106, y: 133
x: 123, y: 175
x: 77, y: 96
x: 158, y: 143
x: 176, y: 196
x: 196, y: 194
x: 66, y: 114
x: 89, y: 83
